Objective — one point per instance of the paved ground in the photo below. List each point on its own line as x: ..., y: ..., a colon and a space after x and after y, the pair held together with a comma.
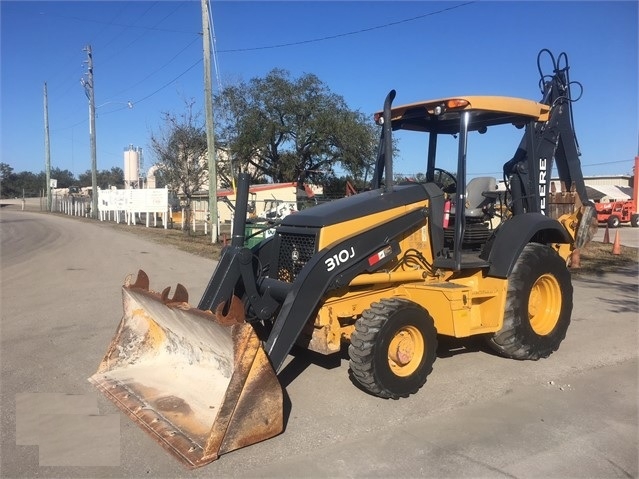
x: 571, y: 415
x: 628, y: 236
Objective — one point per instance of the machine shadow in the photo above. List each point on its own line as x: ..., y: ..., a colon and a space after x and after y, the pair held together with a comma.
x: 302, y: 358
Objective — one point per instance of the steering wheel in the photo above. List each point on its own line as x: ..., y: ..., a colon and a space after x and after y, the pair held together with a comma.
x: 445, y: 180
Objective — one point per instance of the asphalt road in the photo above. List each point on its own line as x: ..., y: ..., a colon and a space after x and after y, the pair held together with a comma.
x: 628, y: 236
x: 479, y: 415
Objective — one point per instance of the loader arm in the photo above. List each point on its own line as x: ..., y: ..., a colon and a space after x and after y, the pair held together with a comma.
x: 316, y: 278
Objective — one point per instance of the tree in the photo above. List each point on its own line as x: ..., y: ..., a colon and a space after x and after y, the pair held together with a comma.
x: 5, y: 170
x: 31, y: 184
x: 7, y: 179
x: 64, y: 177
x: 288, y: 130
x: 180, y: 149
x: 106, y: 178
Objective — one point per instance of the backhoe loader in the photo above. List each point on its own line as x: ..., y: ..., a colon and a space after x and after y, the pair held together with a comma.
x: 385, y: 271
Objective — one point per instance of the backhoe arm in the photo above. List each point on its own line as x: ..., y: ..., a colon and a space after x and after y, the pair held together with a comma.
x: 529, y: 171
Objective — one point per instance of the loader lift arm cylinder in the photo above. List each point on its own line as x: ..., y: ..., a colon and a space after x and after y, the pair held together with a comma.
x: 219, y: 291
x: 241, y: 207
x: 388, y: 143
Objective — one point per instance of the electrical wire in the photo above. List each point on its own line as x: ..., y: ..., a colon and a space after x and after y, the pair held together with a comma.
x: 497, y: 173
x: 73, y: 85
x: 165, y: 85
x: 141, y: 35
x: 216, y: 62
x: 159, y: 69
x: 255, y: 48
x: 346, y: 34
x: 113, y: 24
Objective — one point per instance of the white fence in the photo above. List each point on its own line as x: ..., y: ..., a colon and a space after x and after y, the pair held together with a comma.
x: 69, y: 205
x: 129, y: 205
x: 135, y: 206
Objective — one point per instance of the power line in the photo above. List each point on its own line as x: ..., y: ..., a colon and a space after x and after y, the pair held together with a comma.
x: 157, y: 70
x: 608, y: 163
x: 213, y: 41
x: 340, y: 35
x: 582, y: 166
x: 137, y: 26
x: 141, y: 35
x: 126, y: 25
x: 164, y: 86
x: 386, y: 25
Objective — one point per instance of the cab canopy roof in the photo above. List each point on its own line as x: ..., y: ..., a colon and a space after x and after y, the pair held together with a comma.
x: 444, y: 115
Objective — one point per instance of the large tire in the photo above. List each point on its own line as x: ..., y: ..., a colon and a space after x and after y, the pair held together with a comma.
x: 613, y: 221
x: 538, y: 305
x: 393, y: 348
x: 634, y: 220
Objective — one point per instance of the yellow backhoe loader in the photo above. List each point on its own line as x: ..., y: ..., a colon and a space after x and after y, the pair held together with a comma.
x: 386, y: 270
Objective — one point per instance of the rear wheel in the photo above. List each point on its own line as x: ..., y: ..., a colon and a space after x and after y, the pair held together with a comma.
x: 613, y: 221
x: 393, y: 348
x: 634, y: 220
x: 538, y: 305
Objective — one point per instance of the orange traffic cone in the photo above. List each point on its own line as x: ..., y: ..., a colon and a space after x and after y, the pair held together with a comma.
x: 606, y: 238
x: 575, y: 259
x: 616, y: 247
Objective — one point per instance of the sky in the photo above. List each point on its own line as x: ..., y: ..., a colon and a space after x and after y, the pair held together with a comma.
x: 148, y: 55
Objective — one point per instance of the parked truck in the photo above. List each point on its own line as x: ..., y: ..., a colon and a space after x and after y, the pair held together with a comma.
x: 616, y: 212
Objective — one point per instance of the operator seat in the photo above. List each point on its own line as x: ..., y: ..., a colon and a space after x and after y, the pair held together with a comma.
x: 481, y: 196
x: 476, y: 200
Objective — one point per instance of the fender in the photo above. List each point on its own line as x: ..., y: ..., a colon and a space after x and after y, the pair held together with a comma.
x: 503, y: 249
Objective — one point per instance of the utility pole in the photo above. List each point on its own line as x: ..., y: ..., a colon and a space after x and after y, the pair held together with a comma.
x: 88, y: 89
x: 47, y: 148
x: 210, y: 135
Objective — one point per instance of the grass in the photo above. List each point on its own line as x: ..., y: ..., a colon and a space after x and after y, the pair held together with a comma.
x: 195, y: 243
x: 597, y: 259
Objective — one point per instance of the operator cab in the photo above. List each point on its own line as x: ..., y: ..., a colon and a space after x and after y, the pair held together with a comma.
x: 456, y: 126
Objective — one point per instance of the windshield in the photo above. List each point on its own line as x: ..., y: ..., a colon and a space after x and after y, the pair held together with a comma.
x: 486, y: 152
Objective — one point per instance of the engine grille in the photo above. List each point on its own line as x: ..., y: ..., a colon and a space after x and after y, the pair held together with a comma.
x: 295, y: 251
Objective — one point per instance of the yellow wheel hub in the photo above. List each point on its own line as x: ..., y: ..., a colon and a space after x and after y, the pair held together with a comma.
x: 544, y: 304
x: 406, y: 351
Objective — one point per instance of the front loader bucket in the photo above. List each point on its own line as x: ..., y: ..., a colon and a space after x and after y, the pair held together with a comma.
x: 199, y: 383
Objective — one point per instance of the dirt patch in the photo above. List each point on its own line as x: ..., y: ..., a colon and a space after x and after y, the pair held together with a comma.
x: 597, y: 258
x: 191, y: 242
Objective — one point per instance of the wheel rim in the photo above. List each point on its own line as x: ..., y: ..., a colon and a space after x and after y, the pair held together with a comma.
x: 406, y: 351
x: 544, y: 304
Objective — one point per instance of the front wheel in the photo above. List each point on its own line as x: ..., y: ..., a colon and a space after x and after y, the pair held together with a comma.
x: 634, y: 220
x: 538, y: 305
x: 613, y: 221
x: 393, y: 348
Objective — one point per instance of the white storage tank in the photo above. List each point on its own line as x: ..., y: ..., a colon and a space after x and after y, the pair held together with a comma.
x: 132, y: 156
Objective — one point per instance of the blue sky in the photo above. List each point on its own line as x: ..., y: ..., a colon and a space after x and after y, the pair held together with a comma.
x: 150, y: 54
